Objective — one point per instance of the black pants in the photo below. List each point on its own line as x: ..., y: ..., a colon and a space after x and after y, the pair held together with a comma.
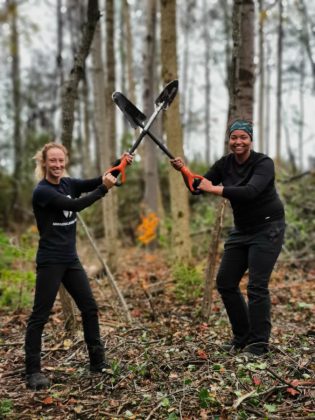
x: 256, y: 250
x: 48, y: 281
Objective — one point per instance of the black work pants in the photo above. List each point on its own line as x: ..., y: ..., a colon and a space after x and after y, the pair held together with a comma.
x: 48, y: 282
x: 256, y: 250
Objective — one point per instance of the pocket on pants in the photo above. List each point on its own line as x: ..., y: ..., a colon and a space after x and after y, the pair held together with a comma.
x: 275, y: 233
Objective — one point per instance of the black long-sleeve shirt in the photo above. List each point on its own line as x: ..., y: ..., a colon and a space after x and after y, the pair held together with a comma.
x: 250, y: 187
x: 55, y: 208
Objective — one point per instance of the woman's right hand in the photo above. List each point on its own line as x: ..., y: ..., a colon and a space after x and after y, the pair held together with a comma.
x: 177, y: 163
x: 109, y: 180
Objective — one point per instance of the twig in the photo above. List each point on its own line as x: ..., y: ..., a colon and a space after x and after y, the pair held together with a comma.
x: 109, y: 274
x: 281, y: 379
x: 16, y: 343
x: 243, y: 398
x: 153, y: 410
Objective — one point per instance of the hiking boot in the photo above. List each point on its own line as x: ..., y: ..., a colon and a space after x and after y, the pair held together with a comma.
x: 98, y: 362
x: 231, y: 347
x: 37, y: 381
x: 102, y: 367
x: 255, y: 351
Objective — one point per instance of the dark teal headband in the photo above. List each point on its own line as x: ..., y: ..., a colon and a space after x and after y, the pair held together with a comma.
x: 242, y: 125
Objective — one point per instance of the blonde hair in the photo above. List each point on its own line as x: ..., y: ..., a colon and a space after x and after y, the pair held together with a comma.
x: 41, y: 156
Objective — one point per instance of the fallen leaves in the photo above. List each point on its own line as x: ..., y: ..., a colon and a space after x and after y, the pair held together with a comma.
x: 168, y: 368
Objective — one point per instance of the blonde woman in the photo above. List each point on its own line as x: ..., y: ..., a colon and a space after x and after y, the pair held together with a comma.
x: 56, y: 199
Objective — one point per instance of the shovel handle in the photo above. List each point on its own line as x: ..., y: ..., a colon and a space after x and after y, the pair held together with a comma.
x: 191, y: 180
x: 119, y: 169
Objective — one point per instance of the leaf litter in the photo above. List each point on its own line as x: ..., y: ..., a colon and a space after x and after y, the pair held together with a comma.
x: 169, y: 363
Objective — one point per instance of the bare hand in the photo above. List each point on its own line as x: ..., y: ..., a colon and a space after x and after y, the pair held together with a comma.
x: 177, y: 163
x: 109, y: 180
x: 128, y: 157
x: 205, y: 185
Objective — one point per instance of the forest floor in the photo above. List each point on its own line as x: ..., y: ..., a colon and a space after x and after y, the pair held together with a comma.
x: 168, y: 364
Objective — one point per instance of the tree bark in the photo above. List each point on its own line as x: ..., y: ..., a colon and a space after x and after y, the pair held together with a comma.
x: 279, y: 84
x: 261, y: 96
x: 181, y: 242
x: 110, y: 205
x: 70, y: 89
x: 16, y: 89
x: 149, y: 75
x: 207, y: 46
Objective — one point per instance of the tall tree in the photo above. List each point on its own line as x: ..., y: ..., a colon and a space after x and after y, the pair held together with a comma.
x: 207, y: 66
x: 70, y: 88
x: 279, y: 82
x: 149, y: 75
x: 178, y: 195
x: 305, y: 35
x: 16, y: 89
x: 261, y: 95
x: 129, y: 50
x: 110, y: 206
x: 241, y: 81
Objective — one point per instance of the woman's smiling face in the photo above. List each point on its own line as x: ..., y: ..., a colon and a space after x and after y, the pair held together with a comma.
x: 240, y: 143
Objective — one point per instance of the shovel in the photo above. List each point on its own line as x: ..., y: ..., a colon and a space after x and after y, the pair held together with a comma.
x: 137, y: 119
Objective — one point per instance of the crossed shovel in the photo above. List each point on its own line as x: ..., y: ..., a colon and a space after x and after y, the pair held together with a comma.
x: 136, y: 118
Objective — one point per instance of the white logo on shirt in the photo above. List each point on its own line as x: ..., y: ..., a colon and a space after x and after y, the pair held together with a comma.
x: 67, y: 213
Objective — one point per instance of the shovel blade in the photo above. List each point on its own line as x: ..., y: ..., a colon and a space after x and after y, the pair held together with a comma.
x: 167, y: 95
x: 135, y: 117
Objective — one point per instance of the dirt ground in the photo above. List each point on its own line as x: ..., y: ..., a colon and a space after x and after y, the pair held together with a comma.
x: 168, y: 364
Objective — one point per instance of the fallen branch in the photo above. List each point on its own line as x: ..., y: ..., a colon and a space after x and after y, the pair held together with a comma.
x: 282, y: 380
x: 109, y: 275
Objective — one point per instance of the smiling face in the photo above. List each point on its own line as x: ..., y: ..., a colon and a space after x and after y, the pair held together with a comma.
x: 54, y: 165
x: 240, y: 144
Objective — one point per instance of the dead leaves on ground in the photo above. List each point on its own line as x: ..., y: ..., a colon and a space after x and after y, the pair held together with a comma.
x: 170, y: 365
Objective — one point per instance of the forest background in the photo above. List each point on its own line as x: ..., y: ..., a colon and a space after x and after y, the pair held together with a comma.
x: 151, y: 248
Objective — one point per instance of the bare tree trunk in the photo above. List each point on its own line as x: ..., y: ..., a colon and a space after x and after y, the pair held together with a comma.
x: 110, y: 205
x: 246, y: 76
x: 233, y: 79
x: 86, y: 163
x: 149, y: 74
x: 306, y: 37
x: 279, y: 83
x: 301, y: 116
x: 261, y: 96
x: 129, y: 49
x: 211, y: 261
x: 188, y: 21
x: 268, y: 101
x: 207, y: 46
x: 181, y: 242
x: 70, y: 89
x: 16, y: 88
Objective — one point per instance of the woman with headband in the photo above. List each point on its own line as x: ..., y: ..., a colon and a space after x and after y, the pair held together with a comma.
x: 247, y: 179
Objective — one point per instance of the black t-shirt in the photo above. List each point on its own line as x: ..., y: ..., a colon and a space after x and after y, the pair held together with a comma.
x: 250, y: 187
x: 55, y: 208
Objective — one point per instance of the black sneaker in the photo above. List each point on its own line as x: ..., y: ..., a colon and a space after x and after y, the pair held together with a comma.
x: 231, y: 347
x: 37, y: 381
x: 255, y: 351
x: 102, y: 367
